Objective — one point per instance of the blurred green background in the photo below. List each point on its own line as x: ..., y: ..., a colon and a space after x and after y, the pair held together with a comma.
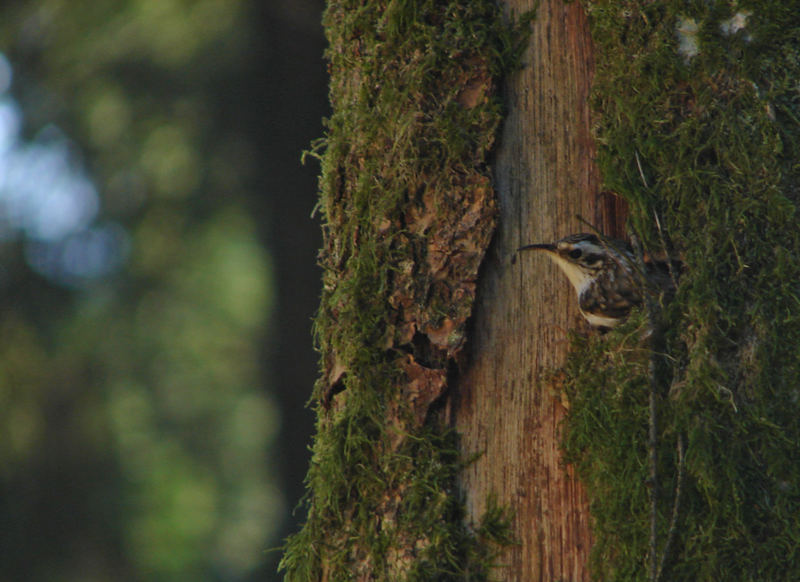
x: 158, y: 279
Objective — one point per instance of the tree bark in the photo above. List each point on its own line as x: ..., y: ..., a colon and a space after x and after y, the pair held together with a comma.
x: 503, y: 407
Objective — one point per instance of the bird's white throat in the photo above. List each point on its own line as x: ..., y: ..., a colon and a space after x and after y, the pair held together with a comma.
x: 579, y: 278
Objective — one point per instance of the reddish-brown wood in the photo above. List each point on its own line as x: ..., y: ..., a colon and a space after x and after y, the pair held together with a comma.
x: 545, y: 176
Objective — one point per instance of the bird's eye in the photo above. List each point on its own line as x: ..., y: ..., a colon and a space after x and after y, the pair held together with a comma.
x: 576, y: 253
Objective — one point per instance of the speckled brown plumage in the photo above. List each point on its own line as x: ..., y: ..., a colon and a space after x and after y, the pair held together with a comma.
x: 612, y: 293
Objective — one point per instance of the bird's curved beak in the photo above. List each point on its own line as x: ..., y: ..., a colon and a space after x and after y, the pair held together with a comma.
x: 538, y: 247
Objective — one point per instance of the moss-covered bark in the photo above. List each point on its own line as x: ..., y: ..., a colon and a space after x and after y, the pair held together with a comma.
x: 698, y: 122
x: 408, y: 212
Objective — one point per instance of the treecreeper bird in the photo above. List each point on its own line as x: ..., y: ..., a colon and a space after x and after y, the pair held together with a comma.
x: 605, y: 276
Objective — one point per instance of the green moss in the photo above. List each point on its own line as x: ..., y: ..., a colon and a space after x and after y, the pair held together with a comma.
x: 408, y: 213
x: 718, y: 137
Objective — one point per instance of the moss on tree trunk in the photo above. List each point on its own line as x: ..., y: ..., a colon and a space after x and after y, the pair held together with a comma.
x: 698, y: 128
x: 409, y: 211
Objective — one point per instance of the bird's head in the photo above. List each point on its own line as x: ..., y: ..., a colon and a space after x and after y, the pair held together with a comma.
x: 580, y: 256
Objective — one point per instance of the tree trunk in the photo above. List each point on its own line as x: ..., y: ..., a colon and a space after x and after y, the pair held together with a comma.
x: 697, y: 130
x: 504, y: 407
